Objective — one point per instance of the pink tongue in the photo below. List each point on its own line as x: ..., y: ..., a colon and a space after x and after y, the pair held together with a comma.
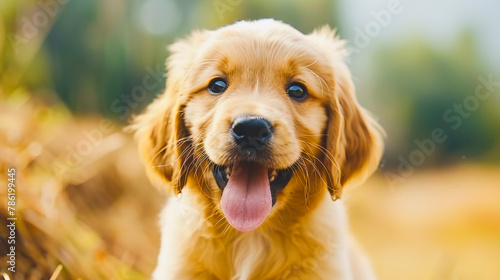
x: 246, y: 199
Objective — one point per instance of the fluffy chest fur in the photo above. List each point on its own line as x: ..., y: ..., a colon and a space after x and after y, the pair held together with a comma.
x: 192, y: 248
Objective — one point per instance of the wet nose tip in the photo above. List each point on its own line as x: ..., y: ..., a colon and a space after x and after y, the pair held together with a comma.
x: 252, y: 130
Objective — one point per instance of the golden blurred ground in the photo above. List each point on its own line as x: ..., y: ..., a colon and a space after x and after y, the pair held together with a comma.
x: 438, y: 224
x: 82, y: 201
x: 98, y: 217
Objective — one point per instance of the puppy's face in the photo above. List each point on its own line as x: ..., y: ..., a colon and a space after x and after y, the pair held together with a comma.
x: 256, y: 113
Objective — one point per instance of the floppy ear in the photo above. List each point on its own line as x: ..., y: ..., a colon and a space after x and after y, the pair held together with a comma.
x: 353, y: 137
x: 164, y: 143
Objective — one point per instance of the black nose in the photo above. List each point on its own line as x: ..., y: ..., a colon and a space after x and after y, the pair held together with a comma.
x: 252, y: 131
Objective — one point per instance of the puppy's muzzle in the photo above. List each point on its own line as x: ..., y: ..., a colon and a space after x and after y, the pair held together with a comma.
x: 251, y: 134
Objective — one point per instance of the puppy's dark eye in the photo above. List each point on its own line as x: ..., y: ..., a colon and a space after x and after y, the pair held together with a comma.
x: 217, y: 86
x: 297, y: 91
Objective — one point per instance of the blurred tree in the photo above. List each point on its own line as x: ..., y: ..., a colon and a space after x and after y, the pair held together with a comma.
x: 98, y: 52
x: 420, y: 88
x: 98, y: 55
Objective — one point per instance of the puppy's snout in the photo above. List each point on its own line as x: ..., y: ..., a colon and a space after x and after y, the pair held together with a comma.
x: 252, y: 132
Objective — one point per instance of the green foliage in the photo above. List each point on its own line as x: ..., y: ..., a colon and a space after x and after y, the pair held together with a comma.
x: 96, y: 52
x: 417, y: 87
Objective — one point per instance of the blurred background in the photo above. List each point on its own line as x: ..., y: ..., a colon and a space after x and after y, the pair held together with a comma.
x: 73, y: 73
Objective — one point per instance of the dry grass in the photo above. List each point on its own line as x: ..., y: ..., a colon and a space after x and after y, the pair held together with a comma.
x: 98, y: 219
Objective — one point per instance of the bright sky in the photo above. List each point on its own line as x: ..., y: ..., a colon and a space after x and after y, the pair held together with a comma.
x: 441, y: 22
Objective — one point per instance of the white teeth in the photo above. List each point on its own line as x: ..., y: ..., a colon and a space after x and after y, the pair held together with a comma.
x: 272, y: 175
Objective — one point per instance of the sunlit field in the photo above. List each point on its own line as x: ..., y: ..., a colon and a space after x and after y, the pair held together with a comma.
x: 439, y: 224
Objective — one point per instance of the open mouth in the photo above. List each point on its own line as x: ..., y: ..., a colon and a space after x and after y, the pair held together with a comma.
x: 249, y: 192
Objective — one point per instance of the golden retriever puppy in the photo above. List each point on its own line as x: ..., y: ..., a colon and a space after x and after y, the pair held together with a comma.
x: 256, y: 135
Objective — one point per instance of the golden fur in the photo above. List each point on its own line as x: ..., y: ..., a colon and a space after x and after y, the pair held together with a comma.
x: 334, y: 142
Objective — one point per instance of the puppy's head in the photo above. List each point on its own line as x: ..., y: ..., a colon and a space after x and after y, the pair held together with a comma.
x: 258, y: 116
